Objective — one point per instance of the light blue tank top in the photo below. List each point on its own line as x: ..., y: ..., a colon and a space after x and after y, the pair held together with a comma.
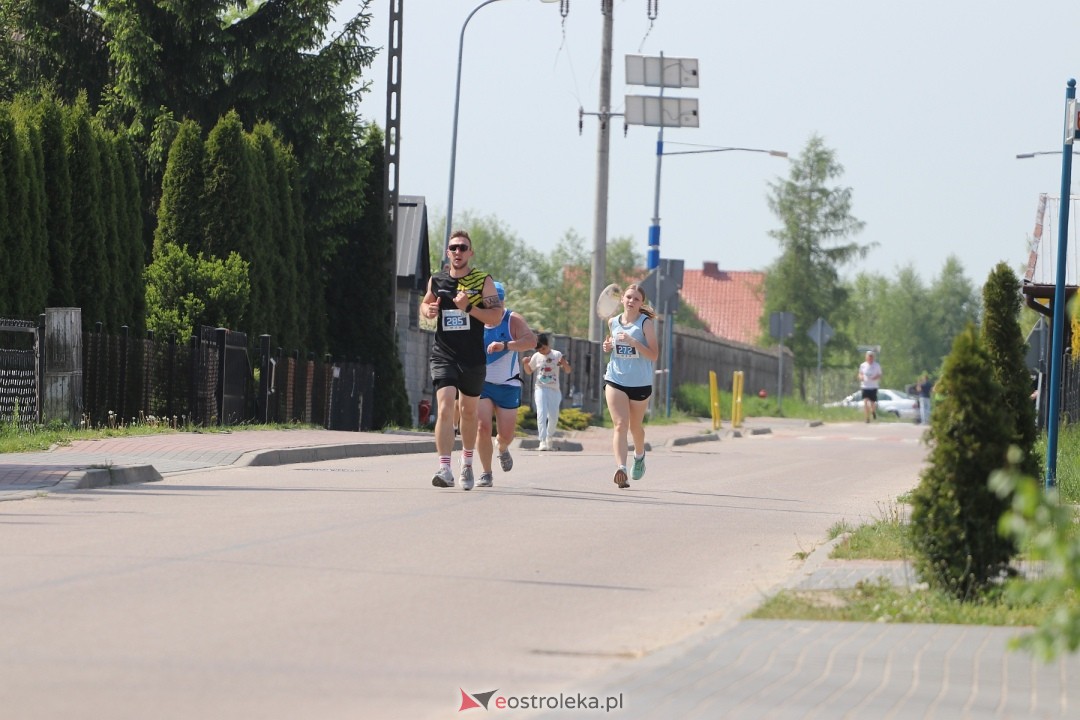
x: 626, y: 367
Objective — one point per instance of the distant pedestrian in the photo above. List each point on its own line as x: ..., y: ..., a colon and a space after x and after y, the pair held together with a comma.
x: 923, y: 389
x: 869, y: 382
x: 547, y: 392
x: 501, y: 395
x: 462, y: 300
x: 628, y: 380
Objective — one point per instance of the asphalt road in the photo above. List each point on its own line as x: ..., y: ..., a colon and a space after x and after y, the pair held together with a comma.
x: 355, y: 589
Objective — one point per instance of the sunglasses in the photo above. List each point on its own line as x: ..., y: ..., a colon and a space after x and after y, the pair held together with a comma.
x: 457, y: 248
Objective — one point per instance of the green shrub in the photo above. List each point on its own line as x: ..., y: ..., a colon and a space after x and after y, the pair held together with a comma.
x: 569, y: 418
x: 954, y: 513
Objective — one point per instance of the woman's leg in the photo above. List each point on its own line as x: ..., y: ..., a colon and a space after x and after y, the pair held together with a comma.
x: 637, y: 425
x: 619, y: 409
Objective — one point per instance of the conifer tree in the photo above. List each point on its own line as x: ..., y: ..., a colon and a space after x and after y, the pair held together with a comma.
x: 88, y: 225
x: 180, y: 214
x: 16, y: 219
x: 7, y: 128
x: 36, y: 285
x: 227, y: 197
x: 114, y: 288
x: 58, y: 220
x: 362, y: 269
x: 954, y: 519
x: 132, y: 245
x: 1004, y: 342
x: 263, y: 253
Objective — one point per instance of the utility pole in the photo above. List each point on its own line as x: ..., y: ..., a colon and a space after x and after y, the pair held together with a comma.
x: 599, y: 258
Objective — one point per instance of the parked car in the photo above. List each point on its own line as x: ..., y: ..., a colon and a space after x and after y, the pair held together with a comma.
x: 895, y: 402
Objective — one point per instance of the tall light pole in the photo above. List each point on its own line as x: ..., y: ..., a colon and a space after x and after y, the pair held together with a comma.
x: 654, y: 230
x: 1057, y: 335
x: 457, y: 104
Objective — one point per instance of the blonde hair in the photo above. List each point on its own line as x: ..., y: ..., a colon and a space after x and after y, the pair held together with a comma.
x: 646, y: 309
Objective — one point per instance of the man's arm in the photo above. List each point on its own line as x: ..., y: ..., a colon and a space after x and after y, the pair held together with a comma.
x: 490, y: 309
x: 523, y: 336
x: 429, y: 305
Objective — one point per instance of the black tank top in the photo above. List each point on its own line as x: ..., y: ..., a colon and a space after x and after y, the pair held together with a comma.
x: 459, y: 337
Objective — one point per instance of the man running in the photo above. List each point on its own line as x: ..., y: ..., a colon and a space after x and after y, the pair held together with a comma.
x: 869, y: 381
x: 501, y: 396
x: 463, y: 300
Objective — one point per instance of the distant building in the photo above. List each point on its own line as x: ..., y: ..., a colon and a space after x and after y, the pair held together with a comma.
x: 729, y: 302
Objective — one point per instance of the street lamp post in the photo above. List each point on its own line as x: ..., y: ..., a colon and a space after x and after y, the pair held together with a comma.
x: 453, y: 138
x: 1057, y: 336
x: 654, y: 229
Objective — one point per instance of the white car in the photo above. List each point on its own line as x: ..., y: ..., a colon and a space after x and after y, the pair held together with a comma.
x: 894, y: 402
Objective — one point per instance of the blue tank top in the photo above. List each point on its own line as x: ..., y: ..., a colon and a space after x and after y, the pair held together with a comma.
x: 626, y: 366
x: 504, y: 367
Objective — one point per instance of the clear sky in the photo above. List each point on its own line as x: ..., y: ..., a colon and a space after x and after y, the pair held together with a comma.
x: 926, y: 104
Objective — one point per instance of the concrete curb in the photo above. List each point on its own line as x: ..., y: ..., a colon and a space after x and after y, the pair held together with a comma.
x: 691, y: 439
x: 108, y: 477
x: 744, y: 431
x: 557, y: 444
x: 813, y: 562
x: 289, y: 456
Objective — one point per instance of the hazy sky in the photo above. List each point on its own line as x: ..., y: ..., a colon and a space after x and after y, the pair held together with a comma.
x: 926, y: 105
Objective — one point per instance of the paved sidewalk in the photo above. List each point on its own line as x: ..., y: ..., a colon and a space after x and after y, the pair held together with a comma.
x: 806, y: 669
x: 124, y: 460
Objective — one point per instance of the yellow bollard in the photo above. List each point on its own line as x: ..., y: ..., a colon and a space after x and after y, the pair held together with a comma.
x: 736, y: 398
x: 714, y: 400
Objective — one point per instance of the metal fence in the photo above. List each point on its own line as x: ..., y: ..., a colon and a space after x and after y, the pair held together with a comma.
x: 216, y: 378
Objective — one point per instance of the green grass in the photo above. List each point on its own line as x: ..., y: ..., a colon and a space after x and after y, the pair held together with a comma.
x: 1068, y: 461
x: 38, y: 438
x: 881, y: 602
x: 888, y: 538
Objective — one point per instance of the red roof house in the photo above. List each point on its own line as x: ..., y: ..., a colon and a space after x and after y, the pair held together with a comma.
x: 729, y: 302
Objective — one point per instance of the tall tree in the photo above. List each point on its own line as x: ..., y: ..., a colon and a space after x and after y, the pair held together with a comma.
x: 88, y: 230
x: 906, y: 329
x: 36, y: 285
x: 1004, y: 342
x: 228, y: 199
x: 816, y: 222
x: 114, y: 289
x: 58, y: 45
x: 132, y: 252
x: 363, y: 268
x: 58, y: 218
x: 8, y: 228
x: 955, y: 304
x: 180, y: 213
x: 268, y: 60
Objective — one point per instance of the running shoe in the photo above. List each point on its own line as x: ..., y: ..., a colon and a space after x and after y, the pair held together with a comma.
x: 465, y: 478
x: 486, y: 480
x: 443, y: 478
x: 639, y: 468
x: 544, y: 446
x: 505, y: 461
x: 620, y: 477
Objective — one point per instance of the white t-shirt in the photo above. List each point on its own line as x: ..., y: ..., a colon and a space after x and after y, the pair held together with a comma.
x: 870, y: 374
x: 546, y: 368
